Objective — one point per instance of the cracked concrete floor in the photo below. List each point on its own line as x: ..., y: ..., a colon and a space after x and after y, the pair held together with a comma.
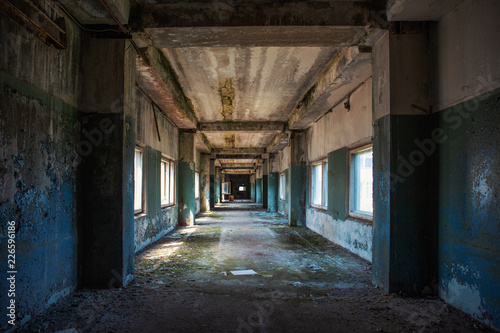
x: 304, y: 283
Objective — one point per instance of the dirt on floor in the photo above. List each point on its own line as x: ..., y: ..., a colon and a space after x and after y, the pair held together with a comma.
x: 303, y: 283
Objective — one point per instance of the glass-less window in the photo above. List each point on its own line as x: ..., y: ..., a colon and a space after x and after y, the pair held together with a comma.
x: 361, y: 184
x: 319, y: 184
x: 282, y: 186
x: 138, y: 181
x: 196, y: 185
x: 167, y: 182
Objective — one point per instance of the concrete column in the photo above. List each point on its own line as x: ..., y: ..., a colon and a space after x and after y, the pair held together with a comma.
x: 404, y: 233
x: 218, y: 185
x: 298, y: 177
x: 252, y: 187
x: 212, y: 181
x: 185, y: 179
x: 273, y: 184
x: 106, y: 182
x: 205, y: 182
x: 265, y: 172
x: 258, y: 185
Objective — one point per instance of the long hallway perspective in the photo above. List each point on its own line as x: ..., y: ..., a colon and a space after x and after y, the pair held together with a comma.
x: 292, y: 280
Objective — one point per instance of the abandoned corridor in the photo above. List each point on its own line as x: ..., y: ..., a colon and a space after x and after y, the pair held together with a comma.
x: 304, y: 283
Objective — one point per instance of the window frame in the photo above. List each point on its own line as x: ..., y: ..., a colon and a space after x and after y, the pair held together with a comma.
x: 196, y: 185
x: 324, y: 184
x: 142, y: 209
x: 350, y: 184
x: 171, y: 183
x: 282, y: 186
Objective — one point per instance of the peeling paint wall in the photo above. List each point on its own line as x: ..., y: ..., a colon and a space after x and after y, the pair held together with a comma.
x: 39, y: 131
x: 466, y: 56
x: 156, y: 221
x: 331, y: 137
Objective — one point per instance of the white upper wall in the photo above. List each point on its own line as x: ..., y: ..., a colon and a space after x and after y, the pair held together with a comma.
x: 341, y: 128
x: 466, y: 51
x: 146, y: 129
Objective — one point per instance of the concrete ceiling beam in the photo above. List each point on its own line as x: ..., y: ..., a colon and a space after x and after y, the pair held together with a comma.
x: 238, y: 165
x: 92, y: 12
x: 160, y: 82
x: 279, y: 142
x: 350, y: 68
x: 238, y: 157
x: 202, y: 144
x: 247, y: 13
x: 238, y: 151
x: 422, y: 10
x: 243, y: 126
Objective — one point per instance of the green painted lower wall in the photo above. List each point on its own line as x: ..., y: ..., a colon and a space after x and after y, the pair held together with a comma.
x: 337, y: 183
x: 297, y: 203
x: 273, y: 191
x: 467, y: 163
x: 265, y: 202
x: 185, y: 189
x: 258, y: 190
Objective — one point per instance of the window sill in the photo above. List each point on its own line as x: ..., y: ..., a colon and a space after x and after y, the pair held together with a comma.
x: 139, y: 214
x: 319, y: 208
x: 166, y: 206
x: 365, y: 219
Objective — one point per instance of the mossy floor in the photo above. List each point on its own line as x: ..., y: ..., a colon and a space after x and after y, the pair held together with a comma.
x: 304, y: 283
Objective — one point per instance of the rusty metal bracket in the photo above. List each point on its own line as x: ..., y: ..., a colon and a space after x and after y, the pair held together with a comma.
x: 24, y: 20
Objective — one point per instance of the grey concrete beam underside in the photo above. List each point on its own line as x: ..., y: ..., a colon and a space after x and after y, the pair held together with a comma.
x: 251, y: 13
x: 350, y: 68
x: 279, y: 142
x: 238, y: 165
x: 92, y: 12
x: 243, y: 126
x: 238, y: 151
x: 159, y: 81
x: 422, y: 10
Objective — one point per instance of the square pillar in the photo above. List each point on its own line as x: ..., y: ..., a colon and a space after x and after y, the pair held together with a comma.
x: 265, y: 171
x: 273, y: 184
x: 218, y: 185
x: 185, y: 179
x: 212, y: 181
x: 258, y: 185
x: 105, y: 175
x: 298, y: 177
x: 404, y: 235
x: 205, y: 182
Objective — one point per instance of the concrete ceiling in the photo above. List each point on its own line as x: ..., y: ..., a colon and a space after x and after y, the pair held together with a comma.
x: 242, y: 69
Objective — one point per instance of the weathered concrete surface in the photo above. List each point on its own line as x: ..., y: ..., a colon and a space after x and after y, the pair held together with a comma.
x: 424, y: 10
x: 277, y: 143
x: 205, y: 182
x: 297, y: 179
x: 162, y: 14
x: 92, y: 12
x: 464, y: 72
x: 302, y: 281
x: 273, y: 191
x: 146, y: 131
x: 185, y: 180
x: 243, y: 126
x: 350, y: 127
x: 38, y: 133
x: 161, y: 83
x: 468, y: 165
x: 107, y: 237
x: 344, y: 73
x: 239, y: 139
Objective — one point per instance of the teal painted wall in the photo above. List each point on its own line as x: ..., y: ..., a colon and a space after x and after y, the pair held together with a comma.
x: 337, y: 183
x: 252, y: 191
x: 297, y: 203
x: 468, y: 210
x: 258, y: 190
x: 265, y: 202
x: 273, y: 191
x: 39, y: 135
